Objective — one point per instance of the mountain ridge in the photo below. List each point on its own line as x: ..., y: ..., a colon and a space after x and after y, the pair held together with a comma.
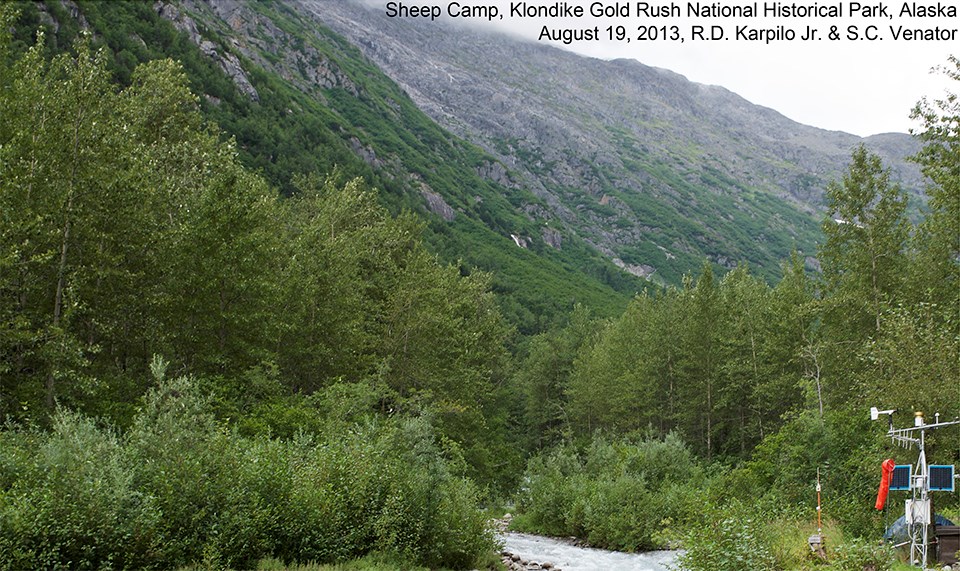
x: 585, y: 163
x: 619, y: 131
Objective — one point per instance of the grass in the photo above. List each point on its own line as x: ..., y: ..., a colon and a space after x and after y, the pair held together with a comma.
x: 790, y: 541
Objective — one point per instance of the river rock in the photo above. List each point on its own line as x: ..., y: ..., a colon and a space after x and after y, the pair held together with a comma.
x: 514, y: 562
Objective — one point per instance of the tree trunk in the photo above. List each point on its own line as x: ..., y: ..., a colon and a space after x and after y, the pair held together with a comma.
x: 58, y: 297
x: 709, y: 420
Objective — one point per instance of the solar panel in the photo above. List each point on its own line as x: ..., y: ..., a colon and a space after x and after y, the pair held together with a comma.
x: 941, y: 478
x: 901, y: 477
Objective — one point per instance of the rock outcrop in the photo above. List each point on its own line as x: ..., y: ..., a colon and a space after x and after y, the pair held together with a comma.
x: 227, y: 61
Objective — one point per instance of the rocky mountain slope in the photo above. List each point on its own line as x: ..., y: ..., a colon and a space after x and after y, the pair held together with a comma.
x: 300, y: 98
x: 653, y: 170
x: 579, y: 156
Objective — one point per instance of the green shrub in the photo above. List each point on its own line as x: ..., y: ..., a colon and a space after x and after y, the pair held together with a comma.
x: 857, y: 554
x: 621, y: 514
x: 547, y: 502
x: 192, y: 469
x: 75, y: 505
x: 619, y: 494
x: 179, y: 489
x: 730, y: 539
x: 456, y: 532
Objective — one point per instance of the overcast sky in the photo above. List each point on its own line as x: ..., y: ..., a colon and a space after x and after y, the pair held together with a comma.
x: 861, y: 87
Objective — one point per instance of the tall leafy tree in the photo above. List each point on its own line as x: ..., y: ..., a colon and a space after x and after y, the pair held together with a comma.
x: 936, y: 274
x: 863, y: 259
x: 160, y: 123
x: 14, y: 328
x: 613, y: 385
x: 745, y: 301
x: 60, y: 178
x: 131, y: 229
x: 223, y: 280
x: 915, y: 364
x: 666, y: 356
x: 334, y: 234
x: 788, y: 334
x: 441, y: 339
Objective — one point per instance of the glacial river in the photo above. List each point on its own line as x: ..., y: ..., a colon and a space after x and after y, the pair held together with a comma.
x: 571, y: 558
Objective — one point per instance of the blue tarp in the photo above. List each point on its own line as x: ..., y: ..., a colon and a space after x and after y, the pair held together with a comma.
x: 897, y: 532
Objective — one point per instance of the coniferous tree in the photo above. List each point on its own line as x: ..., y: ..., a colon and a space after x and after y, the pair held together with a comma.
x: 789, y: 332
x: 544, y: 377
x: 920, y: 351
x: 665, y: 356
x: 745, y: 304
x: 701, y: 361
x: 614, y: 385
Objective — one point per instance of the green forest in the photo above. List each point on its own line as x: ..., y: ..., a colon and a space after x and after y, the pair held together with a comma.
x: 202, y: 367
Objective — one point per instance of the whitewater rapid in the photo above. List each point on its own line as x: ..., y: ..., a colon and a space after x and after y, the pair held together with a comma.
x: 567, y: 557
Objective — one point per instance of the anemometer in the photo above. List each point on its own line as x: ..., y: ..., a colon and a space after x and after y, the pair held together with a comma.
x: 920, y: 480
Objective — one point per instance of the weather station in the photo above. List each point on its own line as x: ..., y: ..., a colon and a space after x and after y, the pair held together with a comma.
x: 920, y: 480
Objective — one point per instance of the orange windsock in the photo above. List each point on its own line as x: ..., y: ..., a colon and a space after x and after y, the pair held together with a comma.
x: 888, y: 466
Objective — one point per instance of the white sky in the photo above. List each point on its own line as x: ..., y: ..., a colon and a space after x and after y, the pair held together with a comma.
x: 861, y: 87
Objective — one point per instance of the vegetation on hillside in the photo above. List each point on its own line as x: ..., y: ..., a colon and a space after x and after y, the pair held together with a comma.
x: 337, y: 382
x: 197, y: 370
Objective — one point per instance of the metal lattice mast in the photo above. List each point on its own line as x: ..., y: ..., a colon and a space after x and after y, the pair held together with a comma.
x: 918, y: 514
x: 920, y: 522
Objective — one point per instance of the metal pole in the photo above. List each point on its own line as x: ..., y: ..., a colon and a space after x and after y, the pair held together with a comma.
x: 918, y: 507
x: 924, y: 501
x: 819, y: 526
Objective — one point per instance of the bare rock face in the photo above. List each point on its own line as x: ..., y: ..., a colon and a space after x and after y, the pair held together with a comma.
x: 328, y: 76
x: 231, y: 66
x: 230, y: 11
x: 552, y: 237
x: 75, y: 13
x: 252, y: 37
x: 644, y: 271
x: 179, y: 20
x: 437, y: 204
x: 47, y: 19
x: 365, y: 152
x: 227, y: 61
x: 496, y: 172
